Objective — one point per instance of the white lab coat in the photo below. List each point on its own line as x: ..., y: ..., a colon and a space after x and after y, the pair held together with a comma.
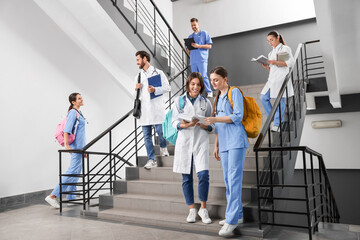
x: 277, y: 74
x: 152, y: 110
x: 193, y: 141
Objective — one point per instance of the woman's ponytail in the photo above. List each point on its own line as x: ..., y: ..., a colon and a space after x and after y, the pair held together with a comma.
x: 72, y: 98
x: 281, y: 39
x: 277, y: 34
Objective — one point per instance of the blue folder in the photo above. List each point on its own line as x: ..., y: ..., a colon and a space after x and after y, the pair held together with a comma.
x: 154, y: 81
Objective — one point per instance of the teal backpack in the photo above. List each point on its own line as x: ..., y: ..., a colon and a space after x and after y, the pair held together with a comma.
x: 170, y: 133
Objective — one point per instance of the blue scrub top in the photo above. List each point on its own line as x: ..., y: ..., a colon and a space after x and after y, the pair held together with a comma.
x: 200, y: 55
x: 231, y: 135
x: 80, y: 139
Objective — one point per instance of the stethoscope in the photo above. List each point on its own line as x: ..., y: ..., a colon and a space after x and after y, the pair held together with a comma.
x: 203, y: 108
x: 81, y: 115
x: 223, y: 105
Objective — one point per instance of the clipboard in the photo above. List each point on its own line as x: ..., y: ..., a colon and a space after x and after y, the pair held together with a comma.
x: 155, y: 81
x: 188, y: 42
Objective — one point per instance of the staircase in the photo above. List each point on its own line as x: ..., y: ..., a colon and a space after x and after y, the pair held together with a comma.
x: 155, y: 197
x: 146, y: 31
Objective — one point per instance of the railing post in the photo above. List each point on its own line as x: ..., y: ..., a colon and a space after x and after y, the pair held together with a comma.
x: 88, y: 177
x: 298, y: 80
x: 154, y: 32
x: 313, y: 187
x: 83, y: 178
x: 321, y: 190
x: 281, y: 143
x: 306, y: 63
x: 258, y: 187
x: 169, y: 52
x: 136, y: 144
x: 110, y: 164
x: 288, y: 113
x: 136, y: 16
x: 307, y: 196
x: 60, y: 182
x: 272, y: 190
x: 294, y: 103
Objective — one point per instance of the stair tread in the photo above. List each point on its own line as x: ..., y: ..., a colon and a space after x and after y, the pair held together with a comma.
x: 215, y: 184
x: 175, y: 221
x: 168, y: 198
x: 211, y: 168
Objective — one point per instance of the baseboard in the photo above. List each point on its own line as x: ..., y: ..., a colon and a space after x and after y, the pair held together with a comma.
x: 23, y: 200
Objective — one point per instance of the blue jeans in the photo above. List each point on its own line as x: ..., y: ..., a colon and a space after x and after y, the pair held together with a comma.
x: 202, y: 68
x: 188, y: 185
x: 74, y: 168
x: 147, y: 131
x: 232, y: 163
x: 265, y: 100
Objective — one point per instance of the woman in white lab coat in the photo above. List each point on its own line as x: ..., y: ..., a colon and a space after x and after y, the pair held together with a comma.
x: 192, y: 144
x: 277, y: 73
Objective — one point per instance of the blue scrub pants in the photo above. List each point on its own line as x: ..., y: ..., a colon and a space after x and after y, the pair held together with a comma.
x: 147, y: 132
x: 74, y: 168
x: 188, y: 185
x: 201, y: 67
x: 265, y: 100
x: 232, y: 162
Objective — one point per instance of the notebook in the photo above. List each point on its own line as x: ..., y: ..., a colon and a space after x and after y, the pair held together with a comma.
x: 154, y: 81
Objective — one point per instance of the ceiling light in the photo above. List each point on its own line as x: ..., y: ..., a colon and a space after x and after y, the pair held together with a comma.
x: 326, y: 124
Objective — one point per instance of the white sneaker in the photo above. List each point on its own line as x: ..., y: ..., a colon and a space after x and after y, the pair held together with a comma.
x: 150, y: 164
x: 210, y: 94
x: 203, y: 213
x: 52, y: 201
x: 275, y: 129
x: 227, y: 230
x: 191, y: 218
x: 164, y: 152
x: 222, y: 222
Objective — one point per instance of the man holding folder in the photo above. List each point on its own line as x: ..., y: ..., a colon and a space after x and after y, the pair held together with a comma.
x: 200, y: 54
x: 153, y: 84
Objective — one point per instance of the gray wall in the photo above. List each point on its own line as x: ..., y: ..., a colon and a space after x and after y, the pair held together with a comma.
x: 235, y: 51
x: 345, y: 186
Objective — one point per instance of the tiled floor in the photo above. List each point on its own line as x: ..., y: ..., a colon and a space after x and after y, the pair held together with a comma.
x: 42, y: 222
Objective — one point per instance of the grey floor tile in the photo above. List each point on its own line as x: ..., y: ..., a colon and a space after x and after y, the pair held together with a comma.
x: 354, y: 228
x: 42, y: 222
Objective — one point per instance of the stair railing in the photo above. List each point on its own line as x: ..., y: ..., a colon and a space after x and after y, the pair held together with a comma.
x: 98, y: 175
x: 163, y: 38
x: 100, y: 169
x: 319, y: 198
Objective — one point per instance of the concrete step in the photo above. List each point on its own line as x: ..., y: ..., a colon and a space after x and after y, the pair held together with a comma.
x: 215, y: 175
x: 167, y: 204
x: 250, y: 162
x: 177, y: 221
x: 161, y: 188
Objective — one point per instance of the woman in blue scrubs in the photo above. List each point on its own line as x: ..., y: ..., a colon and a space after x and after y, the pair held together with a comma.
x: 230, y: 148
x: 75, y: 122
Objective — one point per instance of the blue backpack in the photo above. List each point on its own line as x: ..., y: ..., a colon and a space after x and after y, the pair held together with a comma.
x: 170, y: 133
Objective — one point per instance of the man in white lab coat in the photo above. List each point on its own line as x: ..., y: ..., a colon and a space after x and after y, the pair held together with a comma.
x: 152, y: 108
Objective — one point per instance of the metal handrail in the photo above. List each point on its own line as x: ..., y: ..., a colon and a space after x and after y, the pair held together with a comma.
x: 171, y: 30
x: 276, y: 104
x: 106, y: 170
x: 265, y: 182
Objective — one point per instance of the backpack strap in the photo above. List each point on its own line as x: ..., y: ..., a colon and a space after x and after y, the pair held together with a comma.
x: 77, y: 120
x: 182, y: 102
x: 230, y: 96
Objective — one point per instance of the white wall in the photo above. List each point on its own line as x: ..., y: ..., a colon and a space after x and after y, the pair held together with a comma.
x: 40, y: 67
x: 223, y: 17
x: 340, y: 147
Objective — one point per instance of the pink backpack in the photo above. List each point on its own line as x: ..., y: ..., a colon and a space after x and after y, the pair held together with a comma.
x: 59, y: 135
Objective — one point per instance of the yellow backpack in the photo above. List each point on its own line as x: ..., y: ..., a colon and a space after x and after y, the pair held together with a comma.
x: 252, y: 115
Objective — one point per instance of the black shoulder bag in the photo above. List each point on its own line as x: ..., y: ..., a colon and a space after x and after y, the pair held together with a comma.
x: 137, y: 103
